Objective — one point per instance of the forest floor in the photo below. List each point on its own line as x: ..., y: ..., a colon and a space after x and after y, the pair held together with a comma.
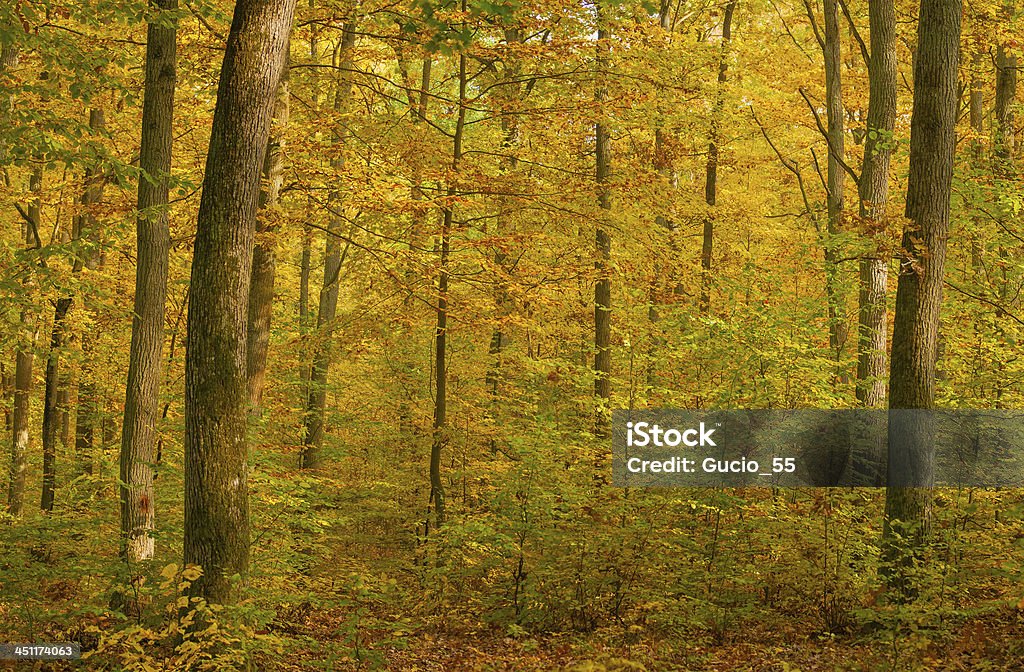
x: 982, y: 643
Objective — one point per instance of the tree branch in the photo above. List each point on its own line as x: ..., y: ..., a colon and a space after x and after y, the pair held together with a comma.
x: 821, y: 129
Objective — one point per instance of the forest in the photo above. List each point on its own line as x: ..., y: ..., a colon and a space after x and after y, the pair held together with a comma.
x: 319, y: 321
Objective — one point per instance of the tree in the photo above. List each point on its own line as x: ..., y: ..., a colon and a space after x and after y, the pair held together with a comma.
x: 711, y: 169
x: 138, y: 433
x: 313, y: 436
x: 264, y: 256
x: 602, y: 262
x: 874, y: 192
x: 919, y: 287
x: 216, y: 381
x: 27, y: 337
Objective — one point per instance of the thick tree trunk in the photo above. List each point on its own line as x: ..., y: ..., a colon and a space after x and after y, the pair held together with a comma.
x: 919, y: 288
x: 313, y: 436
x: 216, y: 394
x: 711, y: 170
x: 264, y: 256
x: 142, y: 392
x: 874, y: 194
x: 603, y: 240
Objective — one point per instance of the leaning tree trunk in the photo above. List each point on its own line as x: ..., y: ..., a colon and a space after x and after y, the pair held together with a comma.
x: 216, y: 394
x: 141, y: 406
x: 919, y: 288
x: 316, y: 403
x: 874, y: 194
x: 264, y: 257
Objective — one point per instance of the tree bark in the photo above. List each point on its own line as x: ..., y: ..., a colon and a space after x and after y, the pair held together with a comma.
x: 264, y: 256
x: 313, y: 436
x: 836, y: 180
x: 440, y: 437
x: 874, y: 194
x: 919, y: 288
x: 216, y: 394
x: 711, y: 170
x: 142, y: 392
x: 25, y: 355
x: 1006, y: 91
x: 603, y: 240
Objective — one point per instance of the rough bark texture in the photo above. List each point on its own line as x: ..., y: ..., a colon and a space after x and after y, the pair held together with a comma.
x: 216, y: 394
x: 264, y: 257
x: 313, y: 437
x: 711, y: 170
x: 602, y: 261
x: 874, y: 194
x: 922, y: 263
x: 141, y: 406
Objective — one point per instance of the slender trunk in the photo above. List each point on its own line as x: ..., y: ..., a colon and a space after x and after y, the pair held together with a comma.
x: 874, y: 194
x: 836, y: 181
x: 29, y: 333
x: 216, y: 394
x: 142, y: 392
x: 6, y: 393
x: 919, y: 287
x: 1006, y: 91
x: 51, y: 424
x: 313, y: 437
x: 663, y: 165
x: 603, y: 240
x: 711, y: 171
x: 87, y: 407
x: 509, y: 145
x: 437, y: 494
x: 264, y: 257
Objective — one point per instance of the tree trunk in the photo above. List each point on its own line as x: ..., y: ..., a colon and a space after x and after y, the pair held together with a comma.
x: 1006, y: 91
x: 142, y: 392
x: 919, y: 288
x: 440, y: 438
x: 874, y: 194
x: 512, y: 93
x: 51, y: 420
x: 86, y: 410
x: 836, y: 178
x: 264, y: 257
x: 29, y: 334
x: 216, y: 394
x: 313, y: 437
x: 711, y: 171
x: 603, y: 240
